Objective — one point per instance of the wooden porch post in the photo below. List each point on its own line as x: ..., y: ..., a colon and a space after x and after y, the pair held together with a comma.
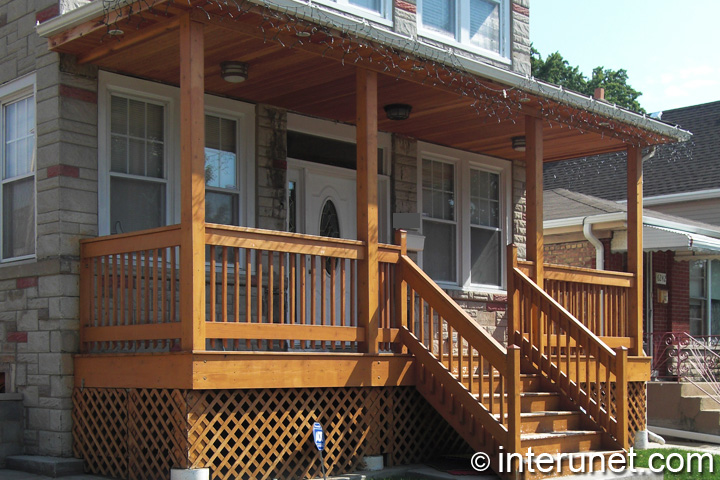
x: 367, y: 209
x: 192, y: 185
x: 534, y: 200
x: 635, y: 244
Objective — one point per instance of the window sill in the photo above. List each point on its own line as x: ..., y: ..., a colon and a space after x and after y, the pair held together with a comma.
x: 427, y: 34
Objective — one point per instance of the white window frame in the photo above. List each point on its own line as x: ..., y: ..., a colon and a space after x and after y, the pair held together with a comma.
x: 461, y: 37
x: 463, y: 161
x: 10, y: 92
x: 143, y: 90
x: 384, y: 18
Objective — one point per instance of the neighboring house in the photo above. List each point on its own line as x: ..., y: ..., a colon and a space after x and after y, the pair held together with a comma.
x: 589, y: 232
x: 200, y: 255
x: 678, y: 180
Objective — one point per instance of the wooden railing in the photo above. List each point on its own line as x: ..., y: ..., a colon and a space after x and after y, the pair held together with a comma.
x: 278, y: 291
x: 568, y: 353
x: 445, y: 340
x: 130, y: 292
x: 265, y: 290
x: 599, y: 299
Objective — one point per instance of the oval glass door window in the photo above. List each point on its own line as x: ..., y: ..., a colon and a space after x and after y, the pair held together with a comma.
x: 329, y: 227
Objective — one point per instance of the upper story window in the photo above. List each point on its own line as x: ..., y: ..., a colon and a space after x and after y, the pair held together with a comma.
x: 480, y: 25
x: 17, y: 102
x: 377, y: 10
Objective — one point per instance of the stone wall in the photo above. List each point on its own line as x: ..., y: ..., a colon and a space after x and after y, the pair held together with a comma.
x: 11, y: 425
x: 271, y: 167
x: 39, y: 297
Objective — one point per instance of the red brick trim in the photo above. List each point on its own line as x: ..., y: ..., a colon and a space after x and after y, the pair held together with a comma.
x: 78, y: 94
x: 17, y: 337
x: 26, y: 282
x: 46, y: 14
x: 496, y: 307
x: 63, y: 171
x: 407, y: 6
x: 521, y: 10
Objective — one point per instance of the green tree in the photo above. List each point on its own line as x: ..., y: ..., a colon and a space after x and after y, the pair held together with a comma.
x: 555, y: 69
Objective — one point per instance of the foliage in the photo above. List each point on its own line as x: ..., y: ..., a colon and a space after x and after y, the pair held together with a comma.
x: 555, y: 69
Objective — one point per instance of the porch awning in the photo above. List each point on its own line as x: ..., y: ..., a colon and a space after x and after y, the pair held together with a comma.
x: 686, y: 245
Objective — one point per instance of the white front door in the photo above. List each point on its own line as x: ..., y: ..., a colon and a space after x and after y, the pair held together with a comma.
x: 320, y: 189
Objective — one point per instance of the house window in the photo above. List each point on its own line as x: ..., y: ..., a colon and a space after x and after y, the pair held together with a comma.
x: 378, y: 10
x: 18, y: 180
x: 485, y: 232
x: 479, y: 24
x: 439, y: 223
x: 222, y: 193
x: 704, y: 311
x: 137, y: 164
x: 465, y: 217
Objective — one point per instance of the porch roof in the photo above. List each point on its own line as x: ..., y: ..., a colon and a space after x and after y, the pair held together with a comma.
x: 457, y: 101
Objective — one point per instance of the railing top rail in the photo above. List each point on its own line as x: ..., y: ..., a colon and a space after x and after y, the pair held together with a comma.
x: 593, y: 338
x: 216, y: 228
x: 589, y: 275
x: 131, y: 242
x: 120, y: 236
x: 453, y: 313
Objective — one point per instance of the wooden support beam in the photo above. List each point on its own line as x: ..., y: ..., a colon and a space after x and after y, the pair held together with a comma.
x: 635, y: 244
x: 401, y: 294
x: 367, y: 207
x: 534, y: 200
x: 192, y: 184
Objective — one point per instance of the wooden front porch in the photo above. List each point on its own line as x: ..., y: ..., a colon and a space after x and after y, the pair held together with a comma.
x: 231, y: 335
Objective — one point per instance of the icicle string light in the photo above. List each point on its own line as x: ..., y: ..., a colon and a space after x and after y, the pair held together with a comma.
x: 359, y: 42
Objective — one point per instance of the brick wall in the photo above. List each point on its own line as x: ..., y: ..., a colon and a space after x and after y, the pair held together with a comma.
x: 39, y: 297
x: 679, y: 283
x: 573, y: 254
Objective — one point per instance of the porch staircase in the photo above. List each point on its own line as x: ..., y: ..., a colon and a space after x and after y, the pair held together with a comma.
x: 523, y: 397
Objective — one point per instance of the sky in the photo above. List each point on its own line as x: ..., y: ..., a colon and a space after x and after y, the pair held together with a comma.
x: 670, y: 48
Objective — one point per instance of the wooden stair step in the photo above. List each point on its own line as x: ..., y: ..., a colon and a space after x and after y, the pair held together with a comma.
x: 569, y: 441
x: 539, y: 401
x: 549, y: 421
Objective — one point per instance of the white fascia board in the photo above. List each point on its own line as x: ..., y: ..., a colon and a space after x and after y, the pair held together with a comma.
x: 680, y: 197
x: 663, y: 223
x: 578, y: 221
x: 308, y: 10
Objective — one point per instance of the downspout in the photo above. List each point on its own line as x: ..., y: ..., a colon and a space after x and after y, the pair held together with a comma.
x: 599, y: 263
x: 599, y: 248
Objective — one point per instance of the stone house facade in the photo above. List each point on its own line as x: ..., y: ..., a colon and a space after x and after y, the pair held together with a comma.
x: 39, y: 290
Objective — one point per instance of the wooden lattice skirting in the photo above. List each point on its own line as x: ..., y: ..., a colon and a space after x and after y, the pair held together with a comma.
x: 139, y: 434
x: 637, y: 404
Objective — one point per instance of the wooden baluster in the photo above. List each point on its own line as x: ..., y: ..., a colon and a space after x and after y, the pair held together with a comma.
x: 259, y: 290
x: 281, y: 288
x: 440, y: 329
x: 597, y: 380
x: 164, y: 280
x: 114, y: 283
x: 332, y: 297
x: 421, y: 324
x: 491, y: 390
x: 271, y: 293
x: 451, y: 347
x: 236, y: 310
x: 471, y: 373
x: 353, y: 294
x: 156, y: 292
x: 121, y: 282
x: 323, y: 296
x: 224, y: 292
x: 461, y: 376
x: 481, y: 377
x: 621, y: 397
x: 343, y: 293
x: 503, y: 398
x: 514, y: 407
x: 313, y: 287
x: 411, y: 323
x: 213, y: 286
x: 388, y: 291
x: 558, y: 345
x: 248, y: 293
x: 137, y: 277
x: 608, y: 389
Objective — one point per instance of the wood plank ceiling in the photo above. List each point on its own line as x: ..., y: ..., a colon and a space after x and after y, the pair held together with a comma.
x: 301, y: 80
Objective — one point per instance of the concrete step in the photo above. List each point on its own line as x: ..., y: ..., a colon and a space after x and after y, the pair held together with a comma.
x: 53, y: 467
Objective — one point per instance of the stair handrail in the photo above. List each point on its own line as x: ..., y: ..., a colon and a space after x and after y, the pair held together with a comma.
x: 498, y: 358
x: 534, y: 336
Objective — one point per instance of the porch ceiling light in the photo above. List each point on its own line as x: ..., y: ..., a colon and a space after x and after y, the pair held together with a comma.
x: 518, y: 144
x: 234, y: 72
x: 397, y: 111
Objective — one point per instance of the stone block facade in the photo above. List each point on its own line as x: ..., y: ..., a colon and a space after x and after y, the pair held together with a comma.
x: 39, y: 297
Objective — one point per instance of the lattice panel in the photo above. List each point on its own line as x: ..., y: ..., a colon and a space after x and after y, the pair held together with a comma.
x: 100, y: 430
x: 637, y: 399
x: 419, y: 432
x: 157, y: 433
